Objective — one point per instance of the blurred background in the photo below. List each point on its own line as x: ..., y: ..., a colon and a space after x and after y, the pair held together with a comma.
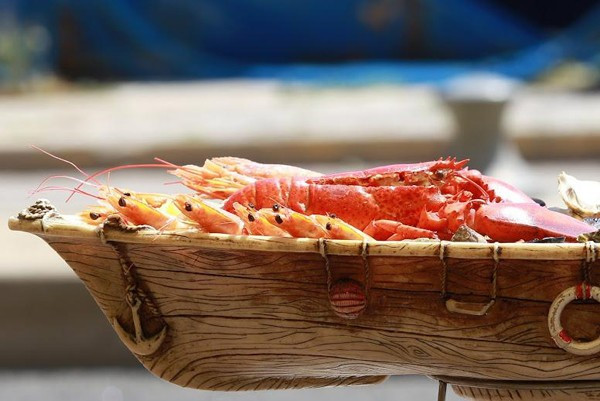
x: 332, y: 86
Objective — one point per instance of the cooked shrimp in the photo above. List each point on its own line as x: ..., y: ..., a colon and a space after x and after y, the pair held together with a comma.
x: 256, y: 223
x: 138, y: 212
x: 297, y: 224
x: 210, y: 218
x: 338, y: 229
x: 96, y: 214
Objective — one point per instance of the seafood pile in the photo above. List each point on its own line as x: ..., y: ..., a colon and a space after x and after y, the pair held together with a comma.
x: 441, y: 199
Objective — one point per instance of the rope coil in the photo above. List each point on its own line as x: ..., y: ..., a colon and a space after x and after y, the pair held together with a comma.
x: 365, y: 257
x: 323, y: 252
x: 469, y: 308
x: 133, y: 293
x: 591, y: 255
x: 442, y: 255
x: 496, y: 255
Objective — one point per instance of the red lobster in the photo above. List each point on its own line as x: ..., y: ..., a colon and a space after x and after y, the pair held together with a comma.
x: 405, y: 201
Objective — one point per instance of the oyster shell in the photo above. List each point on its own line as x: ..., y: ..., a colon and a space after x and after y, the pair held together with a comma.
x: 581, y: 197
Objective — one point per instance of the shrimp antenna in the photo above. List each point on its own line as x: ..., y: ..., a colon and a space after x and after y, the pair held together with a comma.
x: 61, y: 188
x: 164, y: 226
x: 173, y: 165
x: 277, y: 201
x: 163, y: 164
x: 108, y: 186
x: 123, y: 167
x: 63, y: 160
x: 167, y: 163
x: 37, y: 189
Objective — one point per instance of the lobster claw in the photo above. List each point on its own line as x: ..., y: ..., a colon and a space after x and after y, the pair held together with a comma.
x: 509, y: 222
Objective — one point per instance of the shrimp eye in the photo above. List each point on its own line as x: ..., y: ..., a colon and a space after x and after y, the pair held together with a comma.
x: 127, y: 193
x: 278, y: 219
x: 187, y: 206
x: 122, y: 202
x: 333, y: 215
x: 275, y: 207
x: 328, y: 226
x: 439, y: 174
x: 251, y: 205
x: 251, y: 217
x: 94, y: 216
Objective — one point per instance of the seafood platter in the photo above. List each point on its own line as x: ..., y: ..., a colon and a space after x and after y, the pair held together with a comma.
x: 276, y: 277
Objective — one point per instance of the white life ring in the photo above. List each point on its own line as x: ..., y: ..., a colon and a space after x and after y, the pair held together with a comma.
x: 558, y: 333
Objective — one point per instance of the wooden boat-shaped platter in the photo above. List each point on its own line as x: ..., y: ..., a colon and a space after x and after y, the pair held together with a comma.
x: 222, y: 312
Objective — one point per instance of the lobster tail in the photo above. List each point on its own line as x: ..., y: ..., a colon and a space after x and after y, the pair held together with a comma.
x: 220, y: 177
x: 427, y: 173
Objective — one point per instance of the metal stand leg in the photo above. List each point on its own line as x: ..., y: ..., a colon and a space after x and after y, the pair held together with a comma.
x: 441, y: 391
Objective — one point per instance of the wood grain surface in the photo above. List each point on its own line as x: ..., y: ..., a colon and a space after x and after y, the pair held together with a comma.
x: 248, y: 317
x: 572, y: 393
x: 236, y: 317
x: 489, y: 390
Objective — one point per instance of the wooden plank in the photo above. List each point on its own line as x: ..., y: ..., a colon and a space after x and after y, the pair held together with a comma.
x: 67, y: 226
x: 464, y: 276
x: 247, y: 316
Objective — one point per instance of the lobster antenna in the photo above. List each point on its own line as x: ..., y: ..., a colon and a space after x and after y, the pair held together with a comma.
x: 480, y: 201
x: 483, y: 191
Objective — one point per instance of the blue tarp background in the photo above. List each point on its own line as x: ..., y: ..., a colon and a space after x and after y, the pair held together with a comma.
x: 340, y: 42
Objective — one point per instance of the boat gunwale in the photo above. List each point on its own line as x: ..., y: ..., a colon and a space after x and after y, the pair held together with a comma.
x: 71, y: 227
